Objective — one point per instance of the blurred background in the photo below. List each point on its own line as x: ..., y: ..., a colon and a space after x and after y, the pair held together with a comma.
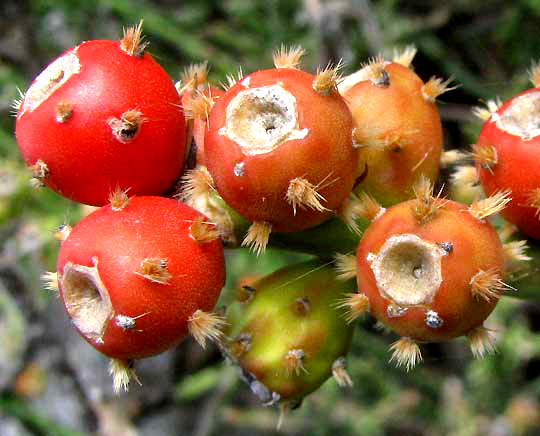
x: 53, y: 383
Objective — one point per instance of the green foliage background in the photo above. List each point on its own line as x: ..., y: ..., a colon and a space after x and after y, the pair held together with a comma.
x: 485, y: 46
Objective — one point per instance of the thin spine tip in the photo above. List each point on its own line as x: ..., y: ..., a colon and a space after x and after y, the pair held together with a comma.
x: 303, y: 194
x: 488, y: 285
x: 355, y: 305
x: 122, y: 372
x: 405, y: 56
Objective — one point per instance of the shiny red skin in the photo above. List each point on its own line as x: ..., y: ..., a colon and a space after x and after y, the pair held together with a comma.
x: 476, y: 245
x: 517, y: 169
x: 327, y: 150
x: 121, y: 240
x: 85, y: 161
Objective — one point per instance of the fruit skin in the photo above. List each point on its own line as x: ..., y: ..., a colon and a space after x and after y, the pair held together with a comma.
x: 120, y: 240
x: 84, y: 159
x: 516, y: 168
x: 326, y: 152
x: 476, y: 246
x: 275, y: 327
x: 408, y: 128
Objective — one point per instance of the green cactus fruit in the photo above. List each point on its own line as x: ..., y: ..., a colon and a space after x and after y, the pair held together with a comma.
x: 288, y: 332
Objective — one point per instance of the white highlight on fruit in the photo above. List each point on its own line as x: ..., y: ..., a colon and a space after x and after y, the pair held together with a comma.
x: 50, y: 79
x: 260, y: 119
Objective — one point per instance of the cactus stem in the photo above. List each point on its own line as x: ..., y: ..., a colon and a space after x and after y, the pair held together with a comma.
x: 405, y: 352
x: 122, y: 372
x: 257, y: 237
x: 206, y: 325
x: 288, y: 57
x: 488, y: 285
x: 481, y: 341
x: 155, y: 270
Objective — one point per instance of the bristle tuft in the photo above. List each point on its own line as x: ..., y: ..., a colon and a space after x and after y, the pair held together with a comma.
x: 485, y: 155
x: 194, y: 77
x: 405, y: 56
x: 491, y: 205
x: 533, y: 200
x: 40, y: 171
x: 534, y: 74
x: 355, y: 305
x: 132, y: 42
x: 50, y: 281
x: 435, y: 87
x: 231, y: 79
x: 452, y: 157
x: 302, y: 193
x: 515, y: 252
x: 339, y: 371
x: 155, y: 269
x: 288, y: 57
x: 206, y: 325
x: 294, y: 362
x: 345, y: 266
x: 122, y: 372
x: 199, y: 106
x: 196, y: 183
x: 482, y: 342
x: 119, y: 199
x: 426, y: 205
x: 257, y: 237
x: 204, y: 231
x: 488, y: 285
x: 326, y: 81
x: 405, y: 352
x: 485, y: 113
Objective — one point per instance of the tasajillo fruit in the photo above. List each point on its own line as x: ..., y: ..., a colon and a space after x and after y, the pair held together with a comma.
x: 279, y: 148
x: 138, y: 275
x: 507, y: 153
x: 103, y: 115
x: 431, y: 270
x: 286, y: 333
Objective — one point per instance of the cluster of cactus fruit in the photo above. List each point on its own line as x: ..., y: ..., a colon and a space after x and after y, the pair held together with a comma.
x: 320, y: 163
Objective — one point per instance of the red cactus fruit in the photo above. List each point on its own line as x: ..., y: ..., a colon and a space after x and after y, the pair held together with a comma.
x: 102, y: 115
x: 397, y: 127
x: 138, y: 275
x: 431, y: 270
x: 507, y: 153
x: 287, y: 334
x: 279, y: 148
